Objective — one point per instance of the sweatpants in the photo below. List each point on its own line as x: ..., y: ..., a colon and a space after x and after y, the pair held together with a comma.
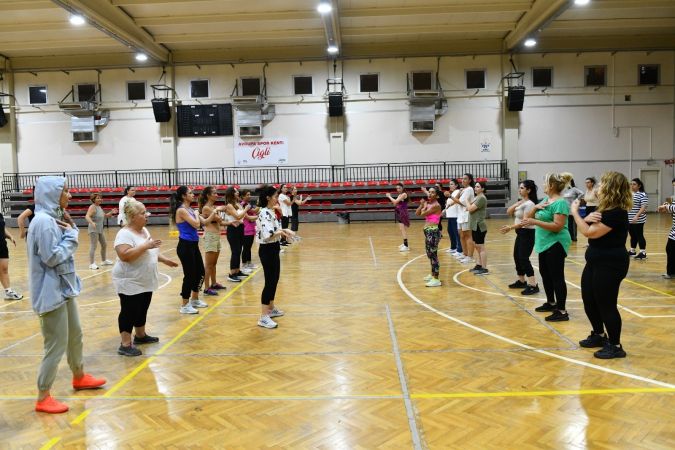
x: 61, y: 333
x: 269, y: 258
x: 93, y: 239
x: 453, y: 233
x: 552, y: 271
x: 246, y: 250
x: 235, y: 237
x: 637, y: 235
x: 600, y: 281
x: 134, y: 311
x: 193, y: 267
x: 522, y: 250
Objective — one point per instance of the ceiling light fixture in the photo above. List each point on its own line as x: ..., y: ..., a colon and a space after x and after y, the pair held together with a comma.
x: 530, y: 42
x: 332, y: 49
x: 581, y: 2
x: 77, y: 20
x: 141, y: 57
x: 324, y: 7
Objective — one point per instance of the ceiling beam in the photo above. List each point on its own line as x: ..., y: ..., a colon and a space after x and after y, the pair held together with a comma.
x: 394, y: 31
x: 22, y: 5
x: 52, y: 44
x: 33, y: 27
x: 616, y: 24
x: 237, y: 36
x: 227, y: 18
x: 116, y: 23
x: 542, y: 12
x: 434, y: 10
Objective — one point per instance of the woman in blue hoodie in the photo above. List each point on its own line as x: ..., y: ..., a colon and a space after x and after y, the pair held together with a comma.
x: 52, y: 241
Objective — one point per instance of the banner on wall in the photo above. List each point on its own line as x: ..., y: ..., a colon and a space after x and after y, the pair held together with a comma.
x: 485, y: 141
x: 262, y: 152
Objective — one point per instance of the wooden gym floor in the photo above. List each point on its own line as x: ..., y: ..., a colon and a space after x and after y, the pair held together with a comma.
x: 366, y: 357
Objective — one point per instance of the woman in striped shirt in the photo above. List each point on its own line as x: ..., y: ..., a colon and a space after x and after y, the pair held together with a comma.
x: 637, y: 217
x: 670, y: 246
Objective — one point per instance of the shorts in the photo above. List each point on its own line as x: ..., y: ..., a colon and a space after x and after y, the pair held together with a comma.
x: 478, y: 236
x: 4, y: 250
x: 464, y: 226
x: 211, y: 241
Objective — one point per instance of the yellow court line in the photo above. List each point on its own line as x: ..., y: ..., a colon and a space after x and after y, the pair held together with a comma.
x: 543, y: 393
x: 49, y: 444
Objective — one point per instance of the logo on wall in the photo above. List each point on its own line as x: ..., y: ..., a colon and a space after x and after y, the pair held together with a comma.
x: 485, y: 141
x: 266, y: 152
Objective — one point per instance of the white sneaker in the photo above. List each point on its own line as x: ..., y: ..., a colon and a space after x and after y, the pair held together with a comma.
x: 188, y: 309
x: 403, y: 248
x: 434, y: 282
x: 93, y: 266
x: 266, y: 322
x: 276, y: 313
x: 282, y: 250
x: 428, y: 277
x: 246, y: 271
x: 198, y: 304
x: 459, y: 255
x: 466, y: 260
x: 107, y: 262
x: 252, y: 266
x: 11, y: 294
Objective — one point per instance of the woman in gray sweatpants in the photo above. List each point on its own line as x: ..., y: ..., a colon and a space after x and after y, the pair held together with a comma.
x: 54, y: 285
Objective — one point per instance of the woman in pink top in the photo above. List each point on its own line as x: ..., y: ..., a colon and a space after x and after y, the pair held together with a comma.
x: 431, y: 210
x: 249, y: 230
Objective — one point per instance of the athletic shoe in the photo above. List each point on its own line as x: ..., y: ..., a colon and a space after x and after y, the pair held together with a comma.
x: 251, y: 266
x: 282, y: 250
x: 285, y: 243
x: 210, y: 291
x: 531, y: 290
x: 147, y: 339
x: 241, y: 275
x: 217, y: 287
x: 518, y: 285
x: 107, y: 262
x: 246, y: 271
x: 93, y: 266
x: 233, y: 278
x: 403, y: 248
x: 428, y: 277
x: 50, y: 405
x: 466, y: 260
x: 481, y: 271
x: 667, y: 276
x: 557, y: 316
x: 641, y: 256
x: 197, y: 303
x: 593, y: 340
x: 631, y: 253
x: 11, y: 294
x: 188, y: 309
x: 476, y: 268
x: 276, y: 313
x: 266, y: 322
x: 610, y: 351
x: 434, y: 282
x: 129, y: 351
x: 546, y: 307
x: 87, y: 382
x: 459, y: 255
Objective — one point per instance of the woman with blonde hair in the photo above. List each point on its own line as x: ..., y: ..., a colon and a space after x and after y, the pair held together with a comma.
x: 606, y: 263
x: 552, y: 242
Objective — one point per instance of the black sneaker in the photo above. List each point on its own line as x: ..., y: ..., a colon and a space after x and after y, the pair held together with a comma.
x: 531, y: 290
x: 546, y: 307
x: 129, y: 351
x: 233, y: 278
x: 147, y: 339
x: 557, y: 316
x: 476, y: 268
x: 610, y: 351
x: 518, y: 285
x: 240, y: 274
x: 631, y: 253
x: 641, y: 255
x: 593, y: 340
x: 481, y: 271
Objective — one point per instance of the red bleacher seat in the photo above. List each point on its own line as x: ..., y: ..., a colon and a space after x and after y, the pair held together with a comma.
x: 299, y: 185
x: 383, y: 183
x: 347, y: 184
x: 349, y: 202
x: 383, y: 202
x: 372, y: 201
x: 445, y: 181
x: 408, y: 182
x: 326, y: 203
x: 359, y: 184
x: 372, y: 183
x: 432, y: 181
x: 27, y: 191
x: 360, y: 202
x: 311, y: 185
x: 323, y: 184
x: 420, y: 182
x: 221, y: 187
x: 335, y: 184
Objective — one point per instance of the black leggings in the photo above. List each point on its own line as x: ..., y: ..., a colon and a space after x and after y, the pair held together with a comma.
x: 246, y: 250
x: 295, y: 222
x: 572, y: 227
x: 522, y: 251
x: 235, y: 237
x: 284, y: 224
x: 600, y: 283
x: 637, y: 235
x: 670, y: 252
x: 269, y: 257
x: 552, y: 271
x: 193, y: 267
x: 134, y: 311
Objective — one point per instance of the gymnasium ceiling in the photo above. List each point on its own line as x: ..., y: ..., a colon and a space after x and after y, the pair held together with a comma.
x: 37, y: 35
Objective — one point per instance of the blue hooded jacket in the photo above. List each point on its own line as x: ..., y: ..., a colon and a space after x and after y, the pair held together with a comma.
x: 50, y: 250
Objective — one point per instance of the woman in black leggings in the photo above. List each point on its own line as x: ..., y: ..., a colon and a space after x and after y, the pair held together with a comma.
x: 233, y: 218
x: 269, y: 233
x: 606, y: 264
x: 637, y: 217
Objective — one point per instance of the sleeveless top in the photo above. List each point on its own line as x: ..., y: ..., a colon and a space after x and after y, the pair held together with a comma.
x: 97, y: 218
x: 228, y: 218
x: 185, y: 230
x: 432, y: 219
x: 402, y: 206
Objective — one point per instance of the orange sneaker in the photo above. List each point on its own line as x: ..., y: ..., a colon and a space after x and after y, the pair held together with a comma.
x: 50, y: 405
x: 88, y: 382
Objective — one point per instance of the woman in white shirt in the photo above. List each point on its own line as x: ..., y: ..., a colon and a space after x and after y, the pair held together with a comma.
x: 451, y: 211
x: 135, y: 276
x: 522, y: 249
x: 466, y: 196
x: 269, y: 232
x: 129, y: 193
x: 285, y: 204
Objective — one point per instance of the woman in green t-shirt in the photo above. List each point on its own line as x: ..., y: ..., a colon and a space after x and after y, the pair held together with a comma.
x: 477, y: 210
x: 552, y: 242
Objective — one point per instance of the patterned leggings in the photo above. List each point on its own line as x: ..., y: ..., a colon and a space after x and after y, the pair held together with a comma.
x: 432, y: 236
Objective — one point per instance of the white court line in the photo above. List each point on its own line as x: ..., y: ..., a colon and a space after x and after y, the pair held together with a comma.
x: 520, y: 344
x: 19, y: 342
x: 372, y: 250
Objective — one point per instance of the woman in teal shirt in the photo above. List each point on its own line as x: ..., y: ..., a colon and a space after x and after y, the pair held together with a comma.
x: 552, y: 241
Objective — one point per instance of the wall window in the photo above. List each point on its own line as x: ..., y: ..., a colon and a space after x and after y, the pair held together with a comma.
x: 422, y: 81
x: 85, y: 92
x: 649, y: 74
x: 250, y: 86
x: 475, y: 79
x: 542, y: 76
x: 302, y: 85
x: 595, y: 75
x: 37, y: 95
x: 199, y: 89
x: 136, y: 90
x: 369, y: 82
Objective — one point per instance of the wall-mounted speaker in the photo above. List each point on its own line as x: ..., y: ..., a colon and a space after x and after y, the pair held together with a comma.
x: 161, y: 110
x: 516, y: 98
x: 3, y: 119
x: 335, y: 104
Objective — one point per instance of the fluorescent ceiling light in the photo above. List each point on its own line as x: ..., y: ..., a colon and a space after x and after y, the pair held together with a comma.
x: 76, y: 19
x: 530, y: 42
x: 324, y: 7
x: 141, y: 57
x: 332, y: 49
x: 581, y: 2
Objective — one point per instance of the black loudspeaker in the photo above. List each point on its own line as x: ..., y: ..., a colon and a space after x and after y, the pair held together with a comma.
x: 516, y: 98
x: 335, y: 105
x: 160, y: 107
x: 3, y: 119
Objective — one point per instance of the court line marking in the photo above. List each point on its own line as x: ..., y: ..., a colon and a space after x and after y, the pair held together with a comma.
x: 520, y: 344
x: 372, y: 250
x: 131, y: 375
x: 17, y: 343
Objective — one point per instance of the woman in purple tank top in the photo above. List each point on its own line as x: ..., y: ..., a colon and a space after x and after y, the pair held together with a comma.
x: 401, y: 214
